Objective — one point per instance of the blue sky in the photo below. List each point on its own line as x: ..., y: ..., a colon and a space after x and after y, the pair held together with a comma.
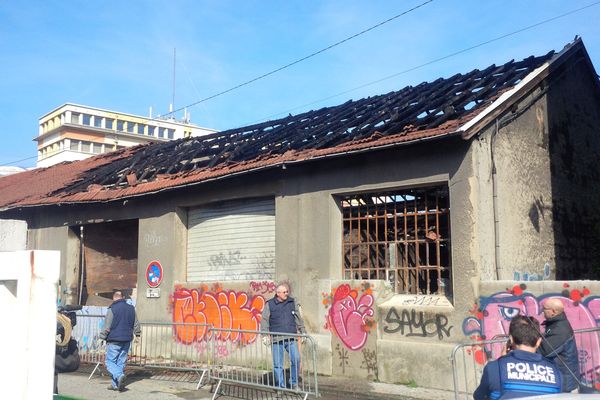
x: 118, y: 55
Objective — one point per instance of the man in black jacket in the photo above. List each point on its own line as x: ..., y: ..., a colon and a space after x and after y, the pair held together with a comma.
x: 120, y: 325
x: 558, y: 343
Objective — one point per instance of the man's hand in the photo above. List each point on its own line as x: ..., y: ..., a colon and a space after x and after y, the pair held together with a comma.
x: 266, y: 339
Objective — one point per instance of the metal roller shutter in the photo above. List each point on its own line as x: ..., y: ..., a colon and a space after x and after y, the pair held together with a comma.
x: 232, y: 241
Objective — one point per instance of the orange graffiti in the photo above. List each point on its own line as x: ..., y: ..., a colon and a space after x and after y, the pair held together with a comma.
x: 221, y: 309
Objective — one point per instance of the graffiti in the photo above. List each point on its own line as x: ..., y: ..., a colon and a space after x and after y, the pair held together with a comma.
x: 370, y: 362
x: 493, y: 315
x: 417, y: 324
x: 343, y: 356
x: 152, y: 239
x: 528, y: 276
x: 221, y: 309
x: 263, y: 287
x: 350, y: 318
x: 427, y: 301
x: 233, y: 257
x: 220, y: 350
x: 90, y: 322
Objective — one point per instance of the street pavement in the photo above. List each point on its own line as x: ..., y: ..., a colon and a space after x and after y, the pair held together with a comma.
x: 155, y: 385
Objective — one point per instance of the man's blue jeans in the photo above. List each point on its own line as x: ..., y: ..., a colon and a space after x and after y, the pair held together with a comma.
x: 116, y: 357
x: 291, y: 346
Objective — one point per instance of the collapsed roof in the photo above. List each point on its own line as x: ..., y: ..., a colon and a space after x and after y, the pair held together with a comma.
x: 429, y: 110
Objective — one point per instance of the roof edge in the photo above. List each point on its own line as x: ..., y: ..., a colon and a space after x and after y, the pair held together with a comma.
x: 472, y: 127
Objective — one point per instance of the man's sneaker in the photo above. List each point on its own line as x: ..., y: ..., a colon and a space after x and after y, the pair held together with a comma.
x: 121, y: 383
x: 111, y: 387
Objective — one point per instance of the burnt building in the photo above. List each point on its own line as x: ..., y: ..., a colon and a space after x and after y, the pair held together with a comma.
x: 391, y: 217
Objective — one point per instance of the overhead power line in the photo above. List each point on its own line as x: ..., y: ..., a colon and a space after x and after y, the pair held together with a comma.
x: 429, y: 62
x: 301, y: 59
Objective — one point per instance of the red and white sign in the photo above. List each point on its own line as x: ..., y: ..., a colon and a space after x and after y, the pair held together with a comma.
x: 154, y: 274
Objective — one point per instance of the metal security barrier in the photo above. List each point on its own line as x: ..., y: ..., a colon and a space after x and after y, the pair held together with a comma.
x: 588, y: 346
x: 169, y: 345
x: 86, y: 332
x: 469, y: 359
x: 162, y: 345
x: 246, y: 357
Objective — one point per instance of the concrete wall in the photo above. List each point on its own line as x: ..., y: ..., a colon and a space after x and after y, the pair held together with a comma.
x: 13, y: 235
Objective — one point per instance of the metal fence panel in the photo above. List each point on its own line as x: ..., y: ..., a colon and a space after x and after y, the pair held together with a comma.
x: 246, y: 357
x: 469, y: 359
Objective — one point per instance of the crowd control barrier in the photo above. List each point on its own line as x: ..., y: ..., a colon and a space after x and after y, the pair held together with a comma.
x: 158, y: 347
x: 247, y: 358
x: 469, y: 359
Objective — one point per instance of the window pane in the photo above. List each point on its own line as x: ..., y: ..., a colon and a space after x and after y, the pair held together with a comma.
x: 96, y: 148
x: 87, y: 119
x: 130, y: 127
x: 108, y: 123
x: 140, y: 129
x: 161, y: 132
x: 86, y: 147
x: 98, y: 122
x: 151, y: 131
x: 171, y: 133
x: 120, y: 126
x: 74, y: 145
x: 74, y: 118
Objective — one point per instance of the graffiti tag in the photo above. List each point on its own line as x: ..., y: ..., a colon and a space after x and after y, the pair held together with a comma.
x: 413, y: 323
x: 349, y: 315
x: 224, y: 309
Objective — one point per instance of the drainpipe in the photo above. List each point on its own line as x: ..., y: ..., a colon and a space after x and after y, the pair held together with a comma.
x: 495, y: 206
x: 81, y: 264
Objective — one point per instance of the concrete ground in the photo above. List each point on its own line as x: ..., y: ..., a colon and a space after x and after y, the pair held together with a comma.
x: 155, y: 385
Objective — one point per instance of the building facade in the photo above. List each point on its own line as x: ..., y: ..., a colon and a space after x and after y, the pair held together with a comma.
x: 405, y: 223
x: 74, y: 132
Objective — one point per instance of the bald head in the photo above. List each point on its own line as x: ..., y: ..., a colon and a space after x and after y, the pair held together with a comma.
x: 553, y: 307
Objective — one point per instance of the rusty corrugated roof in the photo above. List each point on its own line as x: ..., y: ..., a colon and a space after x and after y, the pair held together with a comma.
x: 426, y: 111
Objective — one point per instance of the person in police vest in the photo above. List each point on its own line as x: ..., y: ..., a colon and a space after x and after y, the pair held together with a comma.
x: 120, y: 325
x: 282, y: 315
x: 521, y: 372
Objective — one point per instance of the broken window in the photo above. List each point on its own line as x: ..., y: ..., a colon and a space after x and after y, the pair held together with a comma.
x: 402, y: 236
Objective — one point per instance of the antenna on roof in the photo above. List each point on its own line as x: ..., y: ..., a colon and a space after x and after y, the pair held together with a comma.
x: 173, y: 102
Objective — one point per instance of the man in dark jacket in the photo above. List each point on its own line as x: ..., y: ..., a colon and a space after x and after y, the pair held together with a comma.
x: 522, y: 372
x: 120, y: 325
x: 282, y: 315
x: 558, y: 343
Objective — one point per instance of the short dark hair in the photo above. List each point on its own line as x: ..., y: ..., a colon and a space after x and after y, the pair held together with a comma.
x: 524, y: 330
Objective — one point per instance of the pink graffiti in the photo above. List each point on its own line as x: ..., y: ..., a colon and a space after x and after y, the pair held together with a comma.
x: 223, y: 309
x: 348, y: 318
x: 263, y: 287
x: 495, y: 312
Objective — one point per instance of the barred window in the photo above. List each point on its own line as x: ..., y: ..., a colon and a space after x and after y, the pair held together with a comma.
x: 402, y: 236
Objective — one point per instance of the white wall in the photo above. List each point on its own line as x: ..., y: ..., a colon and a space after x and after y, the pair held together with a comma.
x: 28, y: 288
x: 13, y: 235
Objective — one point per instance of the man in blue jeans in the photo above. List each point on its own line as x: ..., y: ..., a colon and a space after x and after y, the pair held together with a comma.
x: 282, y: 315
x: 120, y: 325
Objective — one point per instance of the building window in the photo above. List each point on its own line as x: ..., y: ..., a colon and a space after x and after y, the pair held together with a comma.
x: 96, y: 148
x: 170, y: 133
x: 87, y: 119
x: 161, y: 132
x: 86, y: 147
x: 151, y: 131
x: 140, y: 129
x: 74, y: 146
x: 130, y: 126
x: 97, y: 121
x: 402, y: 236
x: 74, y: 118
x: 120, y: 125
x: 108, y: 123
